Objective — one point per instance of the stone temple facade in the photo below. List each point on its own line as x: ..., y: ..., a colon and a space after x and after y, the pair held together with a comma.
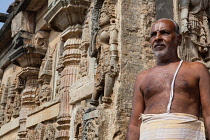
x: 67, y: 67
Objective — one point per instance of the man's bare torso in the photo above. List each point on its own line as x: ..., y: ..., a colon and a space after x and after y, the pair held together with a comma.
x: 156, y: 86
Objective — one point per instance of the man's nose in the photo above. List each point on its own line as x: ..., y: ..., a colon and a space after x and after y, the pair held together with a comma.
x: 158, y: 36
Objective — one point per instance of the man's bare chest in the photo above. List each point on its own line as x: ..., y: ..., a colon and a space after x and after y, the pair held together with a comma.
x: 157, y: 83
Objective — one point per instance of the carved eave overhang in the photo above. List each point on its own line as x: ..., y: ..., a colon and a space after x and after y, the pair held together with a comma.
x: 5, y: 33
x: 35, y: 5
x: 24, y: 53
x: 3, y: 17
x: 63, y: 14
x: 72, y: 32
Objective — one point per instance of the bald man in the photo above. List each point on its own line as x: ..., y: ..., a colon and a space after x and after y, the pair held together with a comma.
x: 168, y: 97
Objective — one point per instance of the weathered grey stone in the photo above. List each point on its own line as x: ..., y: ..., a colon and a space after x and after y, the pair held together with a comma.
x: 164, y: 9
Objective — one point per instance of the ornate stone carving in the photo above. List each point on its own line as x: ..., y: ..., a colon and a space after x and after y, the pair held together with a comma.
x: 10, y: 102
x: 16, y: 105
x: 30, y: 74
x: 91, y: 125
x: 195, y: 29
x: 49, y: 133
x: 71, y: 60
x: 1, y: 115
x: 30, y: 135
x: 41, y: 39
x: 45, y: 94
x: 44, y: 91
x: 104, y: 45
x: 23, y: 117
x: 78, y: 123
x: 63, y: 14
x: 84, y: 47
x: 6, y: 103
x: 39, y: 131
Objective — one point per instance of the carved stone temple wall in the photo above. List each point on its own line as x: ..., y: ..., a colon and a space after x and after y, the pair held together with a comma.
x: 67, y: 67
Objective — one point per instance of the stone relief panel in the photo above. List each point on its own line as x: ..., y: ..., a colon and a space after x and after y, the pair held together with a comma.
x: 91, y: 126
x: 16, y: 105
x: 39, y: 131
x: 49, y: 133
x: 194, y: 19
x: 84, y: 47
x: 78, y: 123
x: 44, y: 91
x: 104, y: 46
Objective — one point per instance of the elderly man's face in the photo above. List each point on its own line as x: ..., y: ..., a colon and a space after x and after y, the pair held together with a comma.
x: 164, y: 40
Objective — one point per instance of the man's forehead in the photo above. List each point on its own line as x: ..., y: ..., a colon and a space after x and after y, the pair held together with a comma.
x: 163, y: 25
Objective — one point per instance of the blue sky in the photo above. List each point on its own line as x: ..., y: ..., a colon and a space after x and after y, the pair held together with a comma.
x: 4, y: 4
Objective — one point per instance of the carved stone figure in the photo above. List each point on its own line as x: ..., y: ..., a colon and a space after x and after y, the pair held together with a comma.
x: 45, y: 94
x: 16, y: 105
x: 104, y: 47
x: 8, y: 113
x: 41, y: 41
x: 91, y: 130
x: 49, y: 133
x: 78, y: 123
x: 30, y: 135
x: 1, y: 115
x: 195, y: 29
x: 39, y: 131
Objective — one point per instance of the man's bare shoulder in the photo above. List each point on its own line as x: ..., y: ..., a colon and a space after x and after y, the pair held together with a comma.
x: 197, y: 68
x: 143, y: 74
x: 196, y: 65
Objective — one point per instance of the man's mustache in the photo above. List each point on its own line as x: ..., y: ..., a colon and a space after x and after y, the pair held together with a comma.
x: 158, y: 44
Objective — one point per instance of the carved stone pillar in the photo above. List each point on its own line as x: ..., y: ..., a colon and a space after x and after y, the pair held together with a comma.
x: 71, y: 60
x: 22, y: 131
x: 30, y: 74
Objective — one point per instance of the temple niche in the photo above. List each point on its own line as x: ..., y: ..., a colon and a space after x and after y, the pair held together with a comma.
x: 195, y: 27
x: 67, y: 67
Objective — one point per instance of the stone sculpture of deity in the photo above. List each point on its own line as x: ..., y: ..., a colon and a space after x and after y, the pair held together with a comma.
x: 104, y: 48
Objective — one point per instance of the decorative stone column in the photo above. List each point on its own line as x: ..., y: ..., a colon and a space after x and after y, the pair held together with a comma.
x: 71, y: 60
x: 67, y: 17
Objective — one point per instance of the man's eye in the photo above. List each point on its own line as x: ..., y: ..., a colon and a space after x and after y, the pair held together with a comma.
x: 164, y: 33
x: 152, y: 34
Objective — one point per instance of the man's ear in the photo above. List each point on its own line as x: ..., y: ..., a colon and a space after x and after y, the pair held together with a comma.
x: 179, y: 39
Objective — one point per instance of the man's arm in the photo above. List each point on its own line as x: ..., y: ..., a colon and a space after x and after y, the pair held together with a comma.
x: 133, y: 132
x: 204, y: 87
